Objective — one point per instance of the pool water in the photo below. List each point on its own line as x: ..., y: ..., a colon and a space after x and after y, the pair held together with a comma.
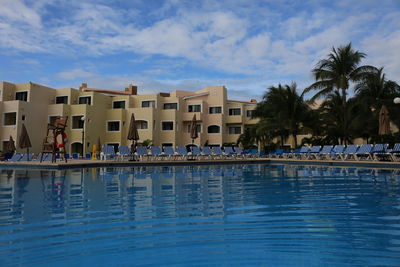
x: 269, y: 215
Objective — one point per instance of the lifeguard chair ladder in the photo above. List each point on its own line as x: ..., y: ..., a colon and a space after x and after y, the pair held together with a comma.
x: 55, y: 129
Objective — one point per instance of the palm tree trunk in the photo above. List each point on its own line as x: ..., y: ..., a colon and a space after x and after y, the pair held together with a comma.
x: 344, y: 115
x: 295, y: 140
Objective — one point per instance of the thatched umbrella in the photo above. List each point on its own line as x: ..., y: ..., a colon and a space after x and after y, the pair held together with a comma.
x: 133, y: 134
x: 10, y: 148
x: 24, y: 141
x: 384, y: 121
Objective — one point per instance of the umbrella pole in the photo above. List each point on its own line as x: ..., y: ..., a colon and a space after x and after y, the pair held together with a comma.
x: 27, y: 150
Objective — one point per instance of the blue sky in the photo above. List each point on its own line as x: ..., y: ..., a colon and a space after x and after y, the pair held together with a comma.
x: 167, y: 45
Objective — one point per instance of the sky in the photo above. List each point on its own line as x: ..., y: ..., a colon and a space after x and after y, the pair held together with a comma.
x: 162, y: 46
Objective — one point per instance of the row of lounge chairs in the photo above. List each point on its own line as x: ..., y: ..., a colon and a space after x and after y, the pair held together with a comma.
x: 168, y: 152
x: 341, y: 152
x: 46, y: 156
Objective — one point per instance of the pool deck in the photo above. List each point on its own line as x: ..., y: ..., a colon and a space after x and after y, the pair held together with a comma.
x: 71, y: 164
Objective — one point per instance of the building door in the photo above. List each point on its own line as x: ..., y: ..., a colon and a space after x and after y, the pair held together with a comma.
x: 77, y: 148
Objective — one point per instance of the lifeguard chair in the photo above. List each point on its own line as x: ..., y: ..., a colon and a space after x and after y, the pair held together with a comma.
x: 55, y: 139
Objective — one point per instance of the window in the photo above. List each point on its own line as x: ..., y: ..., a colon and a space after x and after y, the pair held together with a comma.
x: 61, y: 99
x: 142, y: 125
x: 10, y: 118
x: 198, y: 128
x: 113, y: 126
x: 52, y: 119
x: 214, y: 129
x: 234, y: 111
x: 215, y: 110
x: 194, y: 108
x: 171, y: 106
x: 22, y: 96
x: 77, y: 122
x: 249, y: 113
x: 86, y: 100
x: 235, y: 130
x: 148, y: 104
x: 118, y: 104
x: 167, y: 126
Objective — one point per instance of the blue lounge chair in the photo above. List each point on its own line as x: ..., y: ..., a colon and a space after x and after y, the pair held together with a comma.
x: 239, y: 151
x: 336, y: 152
x: 195, y: 151
x: 228, y: 151
x: 141, y: 152
x: 364, y: 152
x: 217, y: 152
x: 395, y: 152
x: 276, y: 154
x: 302, y: 154
x: 15, y: 157
x: 181, y: 152
x: 312, y: 153
x: 156, y: 152
x: 169, y: 152
x: 349, y: 152
x: 26, y: 157
x: 324, y: 153
x: 75, y: 155
x: 107, y: 151
x: 124, y: 152
x: 380, y: 152
x: 206, y: 152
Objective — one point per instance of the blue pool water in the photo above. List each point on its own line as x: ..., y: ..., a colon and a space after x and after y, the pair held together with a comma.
x: 203, y: 215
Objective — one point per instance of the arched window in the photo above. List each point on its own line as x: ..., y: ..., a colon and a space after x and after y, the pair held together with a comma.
x: 214, y: 129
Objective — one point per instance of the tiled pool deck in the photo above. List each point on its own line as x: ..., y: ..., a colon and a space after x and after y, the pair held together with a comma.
x: 111, y: 163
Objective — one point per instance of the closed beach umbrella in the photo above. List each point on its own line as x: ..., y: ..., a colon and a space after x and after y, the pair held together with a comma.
x: 384, y: 121
x: 24, y: 141
x: 193, y: 129
x: 10, y: 145
x: 133, y: 133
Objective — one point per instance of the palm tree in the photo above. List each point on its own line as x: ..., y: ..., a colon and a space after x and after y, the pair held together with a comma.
x: 372, y: 92
x: 283, y: 111
x: 336, y: 73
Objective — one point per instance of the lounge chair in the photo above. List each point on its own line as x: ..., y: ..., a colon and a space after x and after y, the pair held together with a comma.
x: 195, y: 151
x: 239, y: 151
x: 124, y: 152
x: 141, y: 152
x: 217, y: 152
x: 26, y: 157
x: 15, y: 157
x: 395, y: 152
x: 206, y: 151
x: 364, y: 152
x: 276, y: 154
x: 169, y: 152
x: 349, y: 152
x: 181, y: 151
x: 107, y: 152
x: 336, y: 152
x: 313, y: 152
x: 228, y: 151
x: 324, y: 153
x: 380, y: 152
x: 156, y: 152
x: 302, y: 154
x: 75, y: 155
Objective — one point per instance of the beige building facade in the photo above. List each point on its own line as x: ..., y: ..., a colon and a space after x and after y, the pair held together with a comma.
x: 97, y: 114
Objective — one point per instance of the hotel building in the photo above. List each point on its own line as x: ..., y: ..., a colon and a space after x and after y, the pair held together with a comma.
x: 97, y: 114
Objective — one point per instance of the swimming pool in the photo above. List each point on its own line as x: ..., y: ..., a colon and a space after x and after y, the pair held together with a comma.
x: 201, y: 215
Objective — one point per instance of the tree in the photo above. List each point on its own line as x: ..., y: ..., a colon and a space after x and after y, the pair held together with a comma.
x: 373, y: 91
x: 335, y: 74
x: 283, y: 112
